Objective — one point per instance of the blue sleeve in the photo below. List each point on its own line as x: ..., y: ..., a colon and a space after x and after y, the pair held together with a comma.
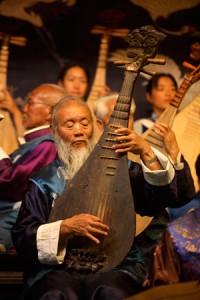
x: 149, y: 199
x: 34, y: 212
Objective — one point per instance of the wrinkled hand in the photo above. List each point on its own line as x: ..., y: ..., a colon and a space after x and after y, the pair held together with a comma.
x: 84, y: 225
x: 130, y: 141
x: 169, y: 139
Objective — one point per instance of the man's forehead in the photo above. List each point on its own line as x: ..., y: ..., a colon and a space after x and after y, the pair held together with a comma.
x: 75, y: 110
x: 39, y: 92
x: 74, y: 106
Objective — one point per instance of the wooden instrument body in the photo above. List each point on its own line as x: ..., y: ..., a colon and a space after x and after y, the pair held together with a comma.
x: 107, y: 197
x: 99, y: 82
x: 153, y: 138
x: 187, y: 122
x: 102, y: 188
x: 186, y: 125
x: 102, y: 185
x: 8, y: 136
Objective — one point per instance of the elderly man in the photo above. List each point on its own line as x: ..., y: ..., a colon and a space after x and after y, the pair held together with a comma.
x: 42, y: 244
x: 38, y: 151
x: 103, y: 108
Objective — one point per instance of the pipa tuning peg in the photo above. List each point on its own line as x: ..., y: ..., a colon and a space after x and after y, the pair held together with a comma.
x: 121, y: 66
x: 131, y: 54
x: 195, y: 54
x: 121, y: 63
x: 188, y: 65
x: 159, y: 61
x: 148, y: 72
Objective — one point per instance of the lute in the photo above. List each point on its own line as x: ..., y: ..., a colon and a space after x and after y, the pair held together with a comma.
x: 102, y: 185
x: 170, y: 112
x: 186, y: 124
x: 8, y: 135
x: 99, y: 82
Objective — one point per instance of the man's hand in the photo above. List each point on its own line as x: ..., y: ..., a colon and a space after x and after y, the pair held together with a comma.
x: 84, y: 225
x: 129, y: 141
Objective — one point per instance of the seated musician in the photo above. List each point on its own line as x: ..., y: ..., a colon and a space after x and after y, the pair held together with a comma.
x: 43, y: 244
x: 104, y: 106
x: 38, y: 151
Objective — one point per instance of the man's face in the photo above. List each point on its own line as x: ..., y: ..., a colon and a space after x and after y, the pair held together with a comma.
x: 36, y: 111
x: 74, y: 124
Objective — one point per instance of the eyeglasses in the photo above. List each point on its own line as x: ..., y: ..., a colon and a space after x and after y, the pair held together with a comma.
x: 30, y: 102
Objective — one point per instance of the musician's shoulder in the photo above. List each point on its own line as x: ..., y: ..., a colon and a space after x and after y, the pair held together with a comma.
x: 49, y: 178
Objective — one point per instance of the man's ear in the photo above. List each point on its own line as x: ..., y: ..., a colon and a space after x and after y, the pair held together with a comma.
x: 48, y: 117
x: 52, y: 131
x: 100, y: 124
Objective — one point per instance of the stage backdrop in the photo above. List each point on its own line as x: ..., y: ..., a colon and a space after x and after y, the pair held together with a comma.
x: 60, y: 31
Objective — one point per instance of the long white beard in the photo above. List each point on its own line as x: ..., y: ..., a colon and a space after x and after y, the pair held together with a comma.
x: 72, y: 158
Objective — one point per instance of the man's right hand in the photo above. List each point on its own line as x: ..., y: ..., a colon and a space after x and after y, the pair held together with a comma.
x: 83, y: 225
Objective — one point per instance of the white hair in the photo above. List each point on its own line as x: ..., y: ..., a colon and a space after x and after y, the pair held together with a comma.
x: 101, y: 108
x: 64, y: 102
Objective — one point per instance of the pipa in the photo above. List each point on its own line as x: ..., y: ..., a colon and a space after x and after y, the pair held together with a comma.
x: 102, y: 186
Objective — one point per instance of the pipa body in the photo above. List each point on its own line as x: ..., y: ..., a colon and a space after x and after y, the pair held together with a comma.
x: 102, y: 185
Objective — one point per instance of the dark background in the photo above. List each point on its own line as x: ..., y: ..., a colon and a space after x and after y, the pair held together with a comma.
x: 65, y: 34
